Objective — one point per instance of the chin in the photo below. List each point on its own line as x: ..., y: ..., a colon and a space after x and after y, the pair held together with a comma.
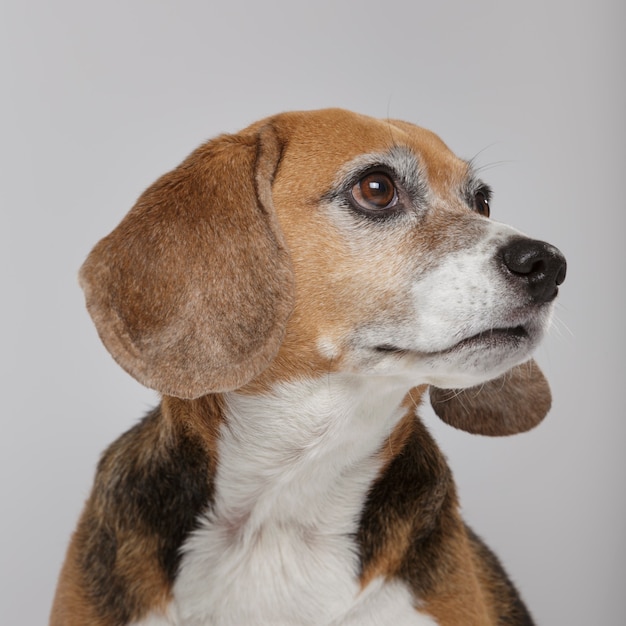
x: 473, y: 367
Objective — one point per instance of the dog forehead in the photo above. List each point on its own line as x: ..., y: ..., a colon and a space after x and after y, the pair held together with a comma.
x: 318, y: 144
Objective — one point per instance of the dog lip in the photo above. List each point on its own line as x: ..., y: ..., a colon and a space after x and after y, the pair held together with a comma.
x: 388, y: 348
x: 493, y: 337
x: 490, y: 338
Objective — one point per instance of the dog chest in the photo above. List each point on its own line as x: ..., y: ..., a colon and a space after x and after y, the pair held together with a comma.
x: 278, y: 545
x: 274, y: 575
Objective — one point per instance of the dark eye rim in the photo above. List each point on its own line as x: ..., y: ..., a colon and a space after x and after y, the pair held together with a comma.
x: 393, y: 207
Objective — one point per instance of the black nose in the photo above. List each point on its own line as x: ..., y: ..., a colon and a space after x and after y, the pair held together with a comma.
x: 539, y: 264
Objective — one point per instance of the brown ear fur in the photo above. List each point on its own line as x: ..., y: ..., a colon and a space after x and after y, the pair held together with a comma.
x: 513, y: 403
x: 192, y: 291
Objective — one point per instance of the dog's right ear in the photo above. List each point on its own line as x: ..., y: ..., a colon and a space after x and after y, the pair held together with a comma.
x: 513, y: 403
x: 192, y: 291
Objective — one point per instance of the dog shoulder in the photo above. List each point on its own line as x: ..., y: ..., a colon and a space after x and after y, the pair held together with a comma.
x: 150, y: 488
x: 411, y: 532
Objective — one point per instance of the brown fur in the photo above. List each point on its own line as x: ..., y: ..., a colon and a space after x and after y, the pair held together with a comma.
x: 486, y: 410
x: 151, y: 485
x: 411, y: 529
x: 164, y: 286
x: 72, y: 607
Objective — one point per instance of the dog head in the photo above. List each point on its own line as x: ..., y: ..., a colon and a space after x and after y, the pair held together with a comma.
x: 328, y: 241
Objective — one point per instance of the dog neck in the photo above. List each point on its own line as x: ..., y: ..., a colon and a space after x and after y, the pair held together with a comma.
x: 296, y: 501
x: 305, y: 453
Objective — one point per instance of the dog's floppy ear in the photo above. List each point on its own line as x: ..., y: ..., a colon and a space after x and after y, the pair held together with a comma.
x: 513, y: 403
x: 192, y: 291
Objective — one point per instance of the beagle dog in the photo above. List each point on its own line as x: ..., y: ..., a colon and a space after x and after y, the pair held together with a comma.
x: 294, y: 291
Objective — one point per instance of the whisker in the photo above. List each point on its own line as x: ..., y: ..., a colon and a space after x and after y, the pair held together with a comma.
x: 561, y: 328
x: 389, y: 124
x: 491, y: 165
x: 472, y: 161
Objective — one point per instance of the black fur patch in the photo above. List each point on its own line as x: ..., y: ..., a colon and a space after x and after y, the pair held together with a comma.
x: 150, y: 488
x: 416, y: 488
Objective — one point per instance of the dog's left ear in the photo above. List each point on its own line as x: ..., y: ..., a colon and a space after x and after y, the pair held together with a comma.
x: 192, y: 291
x: 513, y: 403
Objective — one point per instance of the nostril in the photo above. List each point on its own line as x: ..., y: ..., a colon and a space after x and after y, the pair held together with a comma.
x: 537, y: 267
x: 525, y: 257
x: 540, y: 265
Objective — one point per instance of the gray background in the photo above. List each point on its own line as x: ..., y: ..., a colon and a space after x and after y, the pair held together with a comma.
x: 98, y: 99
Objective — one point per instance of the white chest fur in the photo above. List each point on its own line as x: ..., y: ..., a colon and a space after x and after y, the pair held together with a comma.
x: 277, y: 546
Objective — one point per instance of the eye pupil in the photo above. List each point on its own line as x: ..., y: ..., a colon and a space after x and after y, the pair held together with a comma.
x: 375, y: 191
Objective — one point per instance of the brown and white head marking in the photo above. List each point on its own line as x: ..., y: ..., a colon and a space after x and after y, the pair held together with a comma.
x: 414, y: 288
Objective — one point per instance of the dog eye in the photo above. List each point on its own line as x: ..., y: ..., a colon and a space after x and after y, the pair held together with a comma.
x: 481, y: 204
x: 375, y: 192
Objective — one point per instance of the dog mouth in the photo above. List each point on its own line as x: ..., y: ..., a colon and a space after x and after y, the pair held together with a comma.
x: 492, y: 339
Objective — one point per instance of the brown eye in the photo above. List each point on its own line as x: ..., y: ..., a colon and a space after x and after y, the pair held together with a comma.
x: 481, y: 204
x: 374, y: 192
